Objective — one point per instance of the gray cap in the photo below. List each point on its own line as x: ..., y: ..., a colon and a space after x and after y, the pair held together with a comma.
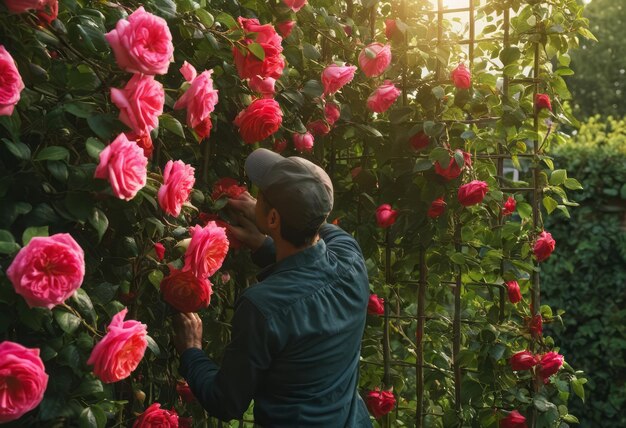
x: 300, y: 190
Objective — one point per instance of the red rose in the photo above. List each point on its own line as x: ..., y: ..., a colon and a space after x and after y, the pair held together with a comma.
x: 332, y: 112
x: 263, y: 85
x: 159, y: 249
x: 454, y: 170
x: 420, y: 141
x: 186, y: 292
x: 259, y: 120
x: 154, y: 416
x: 437, y: 207
x: 228, y: 187
x: 318, y: 128
x: 380, y: 403
x: 515, y: 295
x: 356, y: 171
x: 523, y: 360
x: 509, y: 206
x: 303, y: 142
x: 183, y: 390
x: 185, y: 422
x: 233, y: 242
x: 279, y: 146
x: 550, y: 364
x: 390, y: 28
x: 542, y: 101
x: 48, y: 11
x: 285, y: 28
x: 544, y: 246
x: 514, y: 420
x: 199, y: 100
x: 143, y: 140
x: 247, y: 64
x: 472, y: 193
x: 385, y: 216
x: 376, y: 305
x: 461, y: 77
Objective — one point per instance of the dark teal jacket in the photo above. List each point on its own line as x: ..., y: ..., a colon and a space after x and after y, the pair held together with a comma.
x: 295, y: 344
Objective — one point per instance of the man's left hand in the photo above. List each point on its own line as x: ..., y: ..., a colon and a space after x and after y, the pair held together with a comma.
x: 187, y: 332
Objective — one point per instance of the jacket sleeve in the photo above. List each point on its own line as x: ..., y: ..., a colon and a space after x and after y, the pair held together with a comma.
x: 265, y: 255
x: 226, y: 391
x: 338, y: 240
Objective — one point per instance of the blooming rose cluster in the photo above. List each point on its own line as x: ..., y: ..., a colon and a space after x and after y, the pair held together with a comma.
x: 46, y: 10
x: 247, y: 63
x: 548, y: 364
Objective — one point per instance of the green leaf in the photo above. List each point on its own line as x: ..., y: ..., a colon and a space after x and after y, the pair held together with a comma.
x: 509, y: 55
x: 310, y: 52
x: 165, y: 8
x: 227, y: 20
x: 401, y: 115
x: 7, y: 243
x: 67, y: 321
x: 58, y: 170
x: 542, y: 404
x: 433, y: 129
x: 94, y: 147
x: 422, y: 165
x: 577, y: 387
x: 441, y: 155
x: 171, y: 124
x: 370, y: 53
x: 558, y: 177
x: 256, y: 50
x: 573, y: 184
x: 83, y: 304
x: 155, y: 277
x: 33, y: 231
x: 89, y: 387
x: 82, y: 78
x: 205, y: 17
x: 92, y: 417
x: 524, y: 210
x: 53, y: 153
x: 369, y: 130
x: 99, y: 221
x: 105, y: 126
x: 17, y: 149
x: 79, y: 205
x: 153, y: 346
x: 79, y: 109
x: 550, y: 204
x: 438, y: 92
x: 571, y: 419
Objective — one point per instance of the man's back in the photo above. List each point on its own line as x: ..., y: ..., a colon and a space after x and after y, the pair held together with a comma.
x: 314, y: 304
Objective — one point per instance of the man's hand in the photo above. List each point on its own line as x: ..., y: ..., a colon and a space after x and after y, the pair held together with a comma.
x: 246, y: 230
x: 187, y: 332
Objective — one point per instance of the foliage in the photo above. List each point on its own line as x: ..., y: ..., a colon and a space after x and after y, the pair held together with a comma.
x: 599, y: 84
x: 586, y: 277
x: 50, y: 148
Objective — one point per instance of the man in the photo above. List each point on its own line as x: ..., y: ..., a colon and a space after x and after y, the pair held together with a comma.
x: 296, y: 334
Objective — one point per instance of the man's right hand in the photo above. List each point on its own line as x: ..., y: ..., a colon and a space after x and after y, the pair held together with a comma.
x: 246, y: 230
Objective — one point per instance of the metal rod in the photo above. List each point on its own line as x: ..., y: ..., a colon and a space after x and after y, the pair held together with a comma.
x: 419, y: 349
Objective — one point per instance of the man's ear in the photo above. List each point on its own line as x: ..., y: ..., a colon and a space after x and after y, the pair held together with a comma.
x: 273, y: 219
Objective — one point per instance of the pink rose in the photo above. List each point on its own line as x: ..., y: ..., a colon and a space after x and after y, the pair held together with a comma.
x: 184, y: 392
x: 159, y: 250
x: 207, y: 250
x: 143, y: 140
x: 543, y: 101
x: 509, y: 206
x: 550, y: 364
x: 303, y: 142
x: 544, y: 246
x: 437, y: 207
x: 124, y: 165
x: 21, y: 6
x: 247, y: 64
x: 376, y: 305
x: 228, y: 187
x: 259, y: 120
x: 199, y: 100
x: 186, y: 292
x: 318, y: 128
x: 233, y: 242
x: 48, y: 270
x: 523, y: 360
x: 178, y: 181
x: 334, y: 77
x: 120, y: 351
x: 155, y: 417
x: 513, y: 420
x: 374, y: 59
x: 142, y: 43
x: 472, y: 193
x: 285, y: 28
x: 391, y: 28
x: 383, y: 97
x: 453, y: 170
x: 515, y: 295
x: 263, y: 86
x: 386, y: 216
x: 461, y: 77
x: 295, y: 5
x: 23, y: 378
x: 332, y: 112
x: 420, y: 141
x: 10, y: 84
x: 380, y: 403
x: 140, y: 103
x: 279, y: 146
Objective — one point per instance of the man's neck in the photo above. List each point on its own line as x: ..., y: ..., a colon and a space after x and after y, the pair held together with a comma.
x: 284, y: 249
